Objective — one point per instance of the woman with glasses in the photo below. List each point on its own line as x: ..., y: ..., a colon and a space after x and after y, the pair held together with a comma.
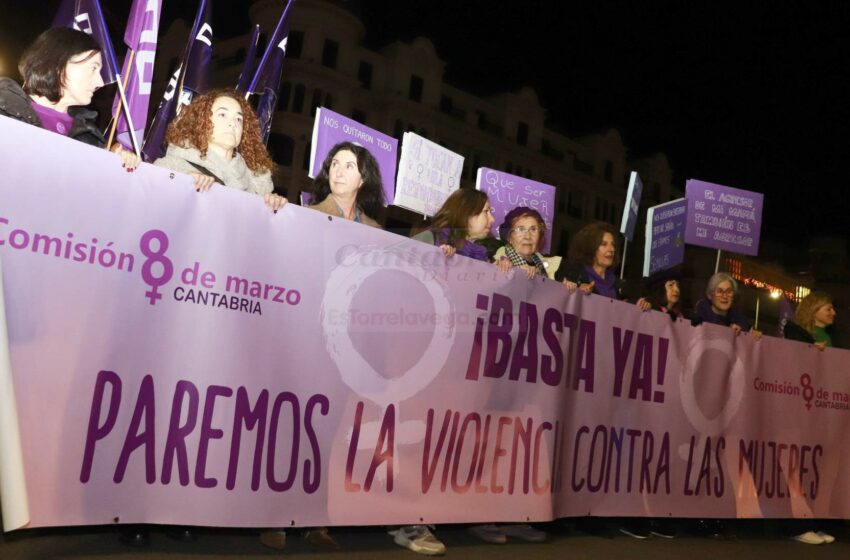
x: 717, y: 307
x: 523, y: 232
x: 590, y: 264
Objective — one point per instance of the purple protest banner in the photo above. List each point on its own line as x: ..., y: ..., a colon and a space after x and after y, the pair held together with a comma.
x: 141, y: 40
x: 86, y: 16
x: 191, y: 77
x: 507, y: 192
x: 632, y: 206
x: 427, y: 174
x: 329, y: 129
x: 723, y: 218
x: 665, y: 236
x: 168, y: 364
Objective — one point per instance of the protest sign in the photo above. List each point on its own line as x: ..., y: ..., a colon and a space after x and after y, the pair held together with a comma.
x: 427, y: 174
x: 723, y: 218
x: 665, y: 236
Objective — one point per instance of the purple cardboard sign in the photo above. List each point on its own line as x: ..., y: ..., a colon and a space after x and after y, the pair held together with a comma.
x: 507, y: 191
x: 665, y: 236
x: 630, y: 210
x: 332, y: 128
x: 723, y: 217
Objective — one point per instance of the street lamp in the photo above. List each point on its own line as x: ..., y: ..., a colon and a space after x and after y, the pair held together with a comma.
x: 774, y: 294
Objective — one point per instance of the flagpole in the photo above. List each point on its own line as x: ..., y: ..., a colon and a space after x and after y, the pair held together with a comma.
x: 130, y: 125
x: 123, y: 101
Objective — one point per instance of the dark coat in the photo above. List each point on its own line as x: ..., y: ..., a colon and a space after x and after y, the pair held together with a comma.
x: 16, y: 104
x: 793, y: 331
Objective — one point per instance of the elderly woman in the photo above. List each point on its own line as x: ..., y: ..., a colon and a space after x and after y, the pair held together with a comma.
x: 349, y: 184
x: 717, y: 308
x: 464, y: 218
x: 590, y: 263
x: 61, y: 72
x: 814, y: 314
x: 216, y: 139
x: 523, y: 232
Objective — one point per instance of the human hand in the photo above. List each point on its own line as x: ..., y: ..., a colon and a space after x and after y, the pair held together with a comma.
x: 820, y: 345
x: 755, y: 334
x: 571, y: 286
x: 274, y: 202
x: 530, y: 271
x: 587, y: 289
x: 736, y: 328
x: 203, y: 183
x: 129, y: 160
x: 504, y: 264
x: 643, y: 304
x: 448, y: 250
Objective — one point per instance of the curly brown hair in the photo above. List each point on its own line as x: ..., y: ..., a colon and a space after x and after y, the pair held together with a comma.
x: 587, y: 240
x: 193, y: 129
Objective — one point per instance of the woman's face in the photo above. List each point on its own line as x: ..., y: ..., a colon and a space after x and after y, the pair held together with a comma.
x: 604, y: 257
x: 227, y: 123
x: 671, y: 288
x: 343, y: 174
x: 825, y: 315
x: 525, y: 236
x: 81, y: 78
x: 722, y: 296
x: 479, y: 225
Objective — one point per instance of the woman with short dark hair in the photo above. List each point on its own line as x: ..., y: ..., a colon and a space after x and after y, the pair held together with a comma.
x: 524, y: 232
x: 61, y: 72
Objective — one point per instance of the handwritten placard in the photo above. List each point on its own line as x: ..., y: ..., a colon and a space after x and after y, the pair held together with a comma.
x: 428, y: 173
x: 329, y: 129
x: 723, y: 217
x: 665, y: 236
x: 507, y: 191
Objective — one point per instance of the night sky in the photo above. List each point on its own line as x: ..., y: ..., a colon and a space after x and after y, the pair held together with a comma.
x: 751, y: 95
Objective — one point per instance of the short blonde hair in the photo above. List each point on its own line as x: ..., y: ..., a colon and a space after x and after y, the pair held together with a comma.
x: 808, y: 306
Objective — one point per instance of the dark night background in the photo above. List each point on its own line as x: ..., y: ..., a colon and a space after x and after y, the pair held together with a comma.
x: 752, y: 95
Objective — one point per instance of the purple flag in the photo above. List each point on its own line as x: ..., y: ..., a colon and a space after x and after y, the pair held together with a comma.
x: 86, y: 16
x: 266, y: 80
x: 787, y: 310
x: 248, y: 69
x: 137, y: 73
x: 191, y: 77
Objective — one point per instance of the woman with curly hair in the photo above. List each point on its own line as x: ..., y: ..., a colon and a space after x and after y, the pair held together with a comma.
x: 349, y: 184
x: 814, y: 314
x: 590, y: 262
x: 217, y: 139
x: 464, y: 218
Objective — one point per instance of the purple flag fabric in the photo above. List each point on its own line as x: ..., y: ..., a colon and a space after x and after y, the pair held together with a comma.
x: 787, y: 310
x: 141, y: 40
x: 248, y: 69
x: 86, y: 16
x: 191, y: 77
x: 266, y: 80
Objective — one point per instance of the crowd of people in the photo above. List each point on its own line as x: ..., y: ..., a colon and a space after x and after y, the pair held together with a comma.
x: 216, y: 139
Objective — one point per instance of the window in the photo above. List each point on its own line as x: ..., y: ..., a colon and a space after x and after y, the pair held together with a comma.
x: 316, y: 102
x: 609, y: 170
x: 285, y: 95
x: 294, y: 44
x: 417, y: 84
x: 522, y: 134
x: 446, y: 104
x: 298, y: 99
x: 281, y: 148
x: 575, y: 204
x: 330, y: 53
x: 364, y: 74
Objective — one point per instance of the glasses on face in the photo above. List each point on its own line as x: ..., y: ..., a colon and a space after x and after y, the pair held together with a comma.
x: 726, y: 292
x: 522, y: 230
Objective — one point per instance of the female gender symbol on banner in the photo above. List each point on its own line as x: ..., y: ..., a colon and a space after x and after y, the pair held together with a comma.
x: 342, y: 285
x: 709, y: 427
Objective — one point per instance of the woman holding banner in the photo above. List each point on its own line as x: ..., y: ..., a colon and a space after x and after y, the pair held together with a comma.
x: 464, y: 218
x: 349, y: 184
x: 814, y: 315
x: 717, y: 308
x: 524, y: 231
x: 590, y: 263
x: 217, y: 139
x: 61, y: 72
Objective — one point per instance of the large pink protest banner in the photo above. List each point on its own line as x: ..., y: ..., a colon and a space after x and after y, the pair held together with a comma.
x: 193, y: 358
